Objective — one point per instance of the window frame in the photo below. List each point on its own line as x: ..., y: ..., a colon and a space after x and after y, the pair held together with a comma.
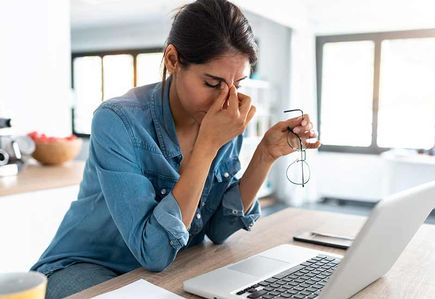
x: 376, y: 38
x: 133, y: 52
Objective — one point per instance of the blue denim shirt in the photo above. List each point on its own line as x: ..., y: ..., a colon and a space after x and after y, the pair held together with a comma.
x: 126, y: 216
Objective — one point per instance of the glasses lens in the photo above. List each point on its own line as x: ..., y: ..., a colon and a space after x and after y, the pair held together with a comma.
x: 298, y: 172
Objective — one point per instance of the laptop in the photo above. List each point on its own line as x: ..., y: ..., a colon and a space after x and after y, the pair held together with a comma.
x: 288, y: 271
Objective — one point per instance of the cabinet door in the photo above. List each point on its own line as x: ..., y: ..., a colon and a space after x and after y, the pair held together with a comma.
x: 28, y: 222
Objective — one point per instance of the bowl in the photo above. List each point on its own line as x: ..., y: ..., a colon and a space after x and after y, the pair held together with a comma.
x: 56, y: 152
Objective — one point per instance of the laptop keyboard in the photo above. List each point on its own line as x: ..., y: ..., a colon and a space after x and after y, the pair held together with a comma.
x: 305, y: 280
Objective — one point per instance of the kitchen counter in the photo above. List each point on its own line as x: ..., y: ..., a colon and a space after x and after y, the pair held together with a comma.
x: 37, y: 177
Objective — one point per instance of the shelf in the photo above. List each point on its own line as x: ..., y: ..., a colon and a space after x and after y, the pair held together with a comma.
x: 37, y: 177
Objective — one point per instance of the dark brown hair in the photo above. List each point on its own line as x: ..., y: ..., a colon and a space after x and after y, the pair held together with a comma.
x: 206, y: 29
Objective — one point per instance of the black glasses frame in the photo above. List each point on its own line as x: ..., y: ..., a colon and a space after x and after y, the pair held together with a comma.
x: 301, y: 149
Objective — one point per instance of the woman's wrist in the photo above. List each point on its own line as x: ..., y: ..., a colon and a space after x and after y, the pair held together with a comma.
x: 204, y: 149
x: 263, y: 155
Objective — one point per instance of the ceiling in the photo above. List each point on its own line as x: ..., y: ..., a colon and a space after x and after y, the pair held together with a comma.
x: 323, y: 16
x: 91, y: 13
x: 338, y: 16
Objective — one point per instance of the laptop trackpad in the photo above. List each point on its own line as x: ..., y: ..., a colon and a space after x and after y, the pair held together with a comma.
x: 260, y: 266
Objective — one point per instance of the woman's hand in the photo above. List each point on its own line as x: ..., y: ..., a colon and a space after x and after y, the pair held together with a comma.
x: 227, y: 118
x: 275, y: 142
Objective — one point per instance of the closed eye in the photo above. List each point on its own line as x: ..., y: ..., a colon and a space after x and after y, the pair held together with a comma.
x: 217, y: 86
x: 211, y: 85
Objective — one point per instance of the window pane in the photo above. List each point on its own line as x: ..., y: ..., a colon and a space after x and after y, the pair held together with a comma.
x: 87, y: 88
x: 407, y: 93
x: 148, y: 68
x: 118, y: 75
x: 347, y: 93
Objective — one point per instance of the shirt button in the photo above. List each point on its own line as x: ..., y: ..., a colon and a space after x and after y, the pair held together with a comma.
x: 171, y: 242
x: 234, y: 212
x: 198, y: 216
x: 202, y: 204
x: 226, y: 174
x: 163, y: 191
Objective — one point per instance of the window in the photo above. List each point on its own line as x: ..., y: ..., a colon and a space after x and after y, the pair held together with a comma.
x: 103, y: 75
x: 376, y: 91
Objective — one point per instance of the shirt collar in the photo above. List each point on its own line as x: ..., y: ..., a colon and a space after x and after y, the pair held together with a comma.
x: 164, y: 121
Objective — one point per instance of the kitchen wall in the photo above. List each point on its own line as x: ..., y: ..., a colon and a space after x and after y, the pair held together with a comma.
x: 35, y: 65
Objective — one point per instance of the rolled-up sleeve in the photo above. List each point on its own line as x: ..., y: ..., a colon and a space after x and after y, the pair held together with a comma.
x: 230, y: 216
x: 152, y: 230
x: 232, y: 206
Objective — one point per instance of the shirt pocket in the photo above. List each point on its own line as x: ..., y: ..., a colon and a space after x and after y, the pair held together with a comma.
x: 163, y: 186
x: 222, y: 177
x: 227, y: 170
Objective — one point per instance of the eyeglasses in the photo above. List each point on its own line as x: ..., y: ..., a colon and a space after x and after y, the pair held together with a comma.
x: 298, y: 172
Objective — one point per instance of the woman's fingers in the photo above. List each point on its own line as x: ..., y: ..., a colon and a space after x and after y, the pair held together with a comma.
x: 306, y: 120
x: 250, y: 114
x: 304, y: 126
x: 308, y: 134
x: 302, y: 121
x: 233, y: 100
x: 244, y: 105
x: 312, y: 145
x: 291, y: 122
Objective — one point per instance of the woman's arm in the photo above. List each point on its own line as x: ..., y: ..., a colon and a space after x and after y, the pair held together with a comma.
x: 187, y: 191
x: 231, y: 215
x: 273, y: 145
x: 211, y: 137
x: 152, y: 229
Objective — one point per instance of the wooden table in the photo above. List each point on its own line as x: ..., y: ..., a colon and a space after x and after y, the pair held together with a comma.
x: 413, y: 275
x: 37, y: 177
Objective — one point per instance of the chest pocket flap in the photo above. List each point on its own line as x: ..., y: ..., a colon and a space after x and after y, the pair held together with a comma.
x: 226, y: 170
x: 163, y: 186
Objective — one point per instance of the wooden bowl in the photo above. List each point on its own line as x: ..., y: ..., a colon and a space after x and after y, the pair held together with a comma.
x: 56, y: 152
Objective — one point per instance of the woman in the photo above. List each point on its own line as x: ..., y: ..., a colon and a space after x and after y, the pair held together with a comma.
x: 162, y: 159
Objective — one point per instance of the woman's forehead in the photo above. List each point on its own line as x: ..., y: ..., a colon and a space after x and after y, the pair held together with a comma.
x: 228, y: 67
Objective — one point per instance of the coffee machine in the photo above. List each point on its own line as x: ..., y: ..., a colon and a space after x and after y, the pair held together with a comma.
x: 15, y: 150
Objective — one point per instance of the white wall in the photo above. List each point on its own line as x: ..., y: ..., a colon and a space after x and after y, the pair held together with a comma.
x: 35, y: 65
x: 351, y: 16
x: 126, y: 36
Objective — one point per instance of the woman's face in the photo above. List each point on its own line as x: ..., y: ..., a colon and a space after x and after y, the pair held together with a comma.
x: 197, y: 86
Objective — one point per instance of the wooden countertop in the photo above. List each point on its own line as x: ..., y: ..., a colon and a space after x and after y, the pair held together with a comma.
x: 411, y: 276
x: 37, y: 177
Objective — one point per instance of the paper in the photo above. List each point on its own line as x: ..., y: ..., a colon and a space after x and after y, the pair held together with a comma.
x: 139, y: 289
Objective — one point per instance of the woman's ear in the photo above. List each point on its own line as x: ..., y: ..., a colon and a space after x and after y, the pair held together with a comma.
x: 171, y: 59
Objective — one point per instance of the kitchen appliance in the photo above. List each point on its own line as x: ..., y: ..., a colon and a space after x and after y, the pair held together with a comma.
x: 15, y: 150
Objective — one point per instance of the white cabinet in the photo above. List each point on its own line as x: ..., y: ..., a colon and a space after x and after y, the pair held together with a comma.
x: 406, y: 171
x: 28, y: 222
